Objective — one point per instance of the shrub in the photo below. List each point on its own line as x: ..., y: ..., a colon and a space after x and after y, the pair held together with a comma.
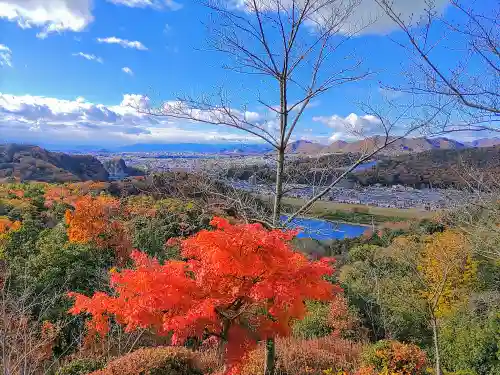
x: 324, y: 319
x: 393, y: 357
x: 154, y: 361
x: 469, y: 341
x: 209, y: 358
x: 81, y: 366
x: 315, y: 323
x: 298, y: 357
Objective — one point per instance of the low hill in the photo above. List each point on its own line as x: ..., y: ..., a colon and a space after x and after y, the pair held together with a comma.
x: 33, y: 163
x: 118, y: 170
x: 305, y: 147
x: 401, y: 146
x: 438, y: 168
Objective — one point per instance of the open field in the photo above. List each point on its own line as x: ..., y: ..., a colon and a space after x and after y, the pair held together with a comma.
x: 322, y: 208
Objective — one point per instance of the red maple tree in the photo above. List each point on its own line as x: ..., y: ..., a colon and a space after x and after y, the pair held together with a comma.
x: 238, y: 283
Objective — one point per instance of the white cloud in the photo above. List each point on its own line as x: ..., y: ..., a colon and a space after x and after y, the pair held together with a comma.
x: 50, y: 15
x: 369, y: 14
x: 5, y: 56
x: 351, y: 126
x: 335, y: 137
x: 89, y: 57
x: 45, y: 119
x: 135, y: 101
x: 127, y: 70
x: 362, y: 16
x: 157, y: 4
x: 123, y: 42
x: 173, y: 5
x: 390, y: 94
x: 252, y: 116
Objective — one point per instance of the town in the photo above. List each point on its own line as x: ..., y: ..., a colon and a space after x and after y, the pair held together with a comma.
x: 396, y: 196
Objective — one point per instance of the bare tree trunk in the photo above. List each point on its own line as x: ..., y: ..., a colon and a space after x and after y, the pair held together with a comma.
x: 270, y: 362
x: 436, y: 346
x: 221, y: 348
x: 270, y: 365
x: 279, y: 187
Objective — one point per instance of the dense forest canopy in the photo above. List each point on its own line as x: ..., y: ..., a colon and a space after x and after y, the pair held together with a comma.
x: 158, y: 270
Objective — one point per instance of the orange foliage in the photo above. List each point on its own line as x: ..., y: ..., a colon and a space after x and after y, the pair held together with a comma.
x: 91, y: 219
x: 59, y: 194
x: 18, y: 193
x: 71, y: 193
x: 97, y: 220
x: 6, y: 225
x: 394, y: 357
x: 240, y: 283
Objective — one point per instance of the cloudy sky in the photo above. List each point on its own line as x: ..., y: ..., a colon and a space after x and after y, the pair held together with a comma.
x: 70, y: 68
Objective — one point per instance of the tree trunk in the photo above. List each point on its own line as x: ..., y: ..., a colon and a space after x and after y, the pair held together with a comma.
x: 221, y: 348
x: 436, y: 346
x: 279, y: 187
x: 270, y: 365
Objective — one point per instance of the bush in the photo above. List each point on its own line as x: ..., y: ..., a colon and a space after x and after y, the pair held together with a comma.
x: 393, y: 357
x: 333, y: 318
x: 81, y: 366
x: 154, y: 361
x: 315, y: 323
x: 299, y: 357
x: 470, y: 342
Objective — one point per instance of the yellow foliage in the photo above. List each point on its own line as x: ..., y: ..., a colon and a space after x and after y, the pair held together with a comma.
x: 447, y: 268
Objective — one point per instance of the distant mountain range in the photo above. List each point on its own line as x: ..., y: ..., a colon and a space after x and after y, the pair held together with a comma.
x: 418, y: 161
x: 401, y: 146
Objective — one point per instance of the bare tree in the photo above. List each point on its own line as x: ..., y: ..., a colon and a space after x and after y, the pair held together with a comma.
x: 280, y: 41
x: 466, y: 85
x: 295, y: 48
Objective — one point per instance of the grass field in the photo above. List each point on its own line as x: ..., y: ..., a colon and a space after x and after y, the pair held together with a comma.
x: 326, y: 208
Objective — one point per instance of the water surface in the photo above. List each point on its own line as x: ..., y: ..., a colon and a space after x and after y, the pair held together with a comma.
x: 325, y: 230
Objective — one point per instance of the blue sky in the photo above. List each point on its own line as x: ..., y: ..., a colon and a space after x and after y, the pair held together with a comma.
x: 68, y: 68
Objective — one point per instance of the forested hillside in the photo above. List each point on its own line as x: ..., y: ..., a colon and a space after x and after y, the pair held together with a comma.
x: 439, y: 168
x: 150, y: 277
x: 32, y: 163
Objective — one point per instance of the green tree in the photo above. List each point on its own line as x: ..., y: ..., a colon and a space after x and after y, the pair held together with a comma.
x: 470, y: 340
x: 385, y: 292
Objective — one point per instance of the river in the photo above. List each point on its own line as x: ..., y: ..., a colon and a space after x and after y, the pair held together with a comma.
x: 325, y: 230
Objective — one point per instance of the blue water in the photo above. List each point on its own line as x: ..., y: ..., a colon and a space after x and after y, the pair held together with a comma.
x: 325, y: 230
x: 365, y: 166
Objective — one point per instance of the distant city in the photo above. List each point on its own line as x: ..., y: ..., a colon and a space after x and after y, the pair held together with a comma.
x: 377, y: 195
